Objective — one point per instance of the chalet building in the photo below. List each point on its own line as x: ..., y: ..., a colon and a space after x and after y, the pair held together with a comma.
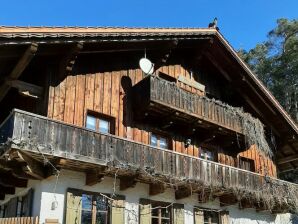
x: 87, y: 136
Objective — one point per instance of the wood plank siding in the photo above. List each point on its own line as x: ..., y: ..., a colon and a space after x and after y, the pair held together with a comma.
x: 76, y: 148
x: 108, y: 92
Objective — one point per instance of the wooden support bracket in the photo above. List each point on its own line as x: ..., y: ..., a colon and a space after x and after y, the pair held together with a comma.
x: 227, y: 199
x: 8, y: 180
x: 93, y: 177
x: 19, y: 68
x: 156, y: 188
x: 33, y: 167
x: 182, y: 192
x: 67, y: 63
x: 127, y: 182
x: 7, y: 190
x: 26, y: 89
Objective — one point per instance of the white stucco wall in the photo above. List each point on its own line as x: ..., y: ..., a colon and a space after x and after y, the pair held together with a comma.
x: 44, y: 197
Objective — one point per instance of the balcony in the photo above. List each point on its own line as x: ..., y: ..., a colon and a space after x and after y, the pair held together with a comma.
x: 76, y: 148
x: 160, y: 99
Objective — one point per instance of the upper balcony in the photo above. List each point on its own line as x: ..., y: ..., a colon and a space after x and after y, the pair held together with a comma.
x: 160, y: 99
x: 30, y: 141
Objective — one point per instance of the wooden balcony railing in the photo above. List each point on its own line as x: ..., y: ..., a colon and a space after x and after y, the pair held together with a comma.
x: 155, y: 96
x: 40, y: 135
x: 152, y: 92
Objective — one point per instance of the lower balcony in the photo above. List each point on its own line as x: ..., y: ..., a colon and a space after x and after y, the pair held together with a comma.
x: 35, y: 147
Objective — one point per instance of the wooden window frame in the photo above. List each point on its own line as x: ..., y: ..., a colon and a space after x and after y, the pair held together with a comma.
x: 158, y: 134
x: 251, y: 161
x: 100, y: 116
x: 208, y: 210
x: 93, y: 205
x: 159, y: 205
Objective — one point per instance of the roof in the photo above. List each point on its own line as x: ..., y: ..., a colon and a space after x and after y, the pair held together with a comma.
x: 42, y: 32
x: 32, y: 33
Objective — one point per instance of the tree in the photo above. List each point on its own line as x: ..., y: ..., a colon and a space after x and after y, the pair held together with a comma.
x: 275, y: 61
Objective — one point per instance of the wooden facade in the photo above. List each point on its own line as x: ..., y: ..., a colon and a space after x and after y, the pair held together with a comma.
x: 109, y: 92
x: 85, y: 150
x: 54, y: 81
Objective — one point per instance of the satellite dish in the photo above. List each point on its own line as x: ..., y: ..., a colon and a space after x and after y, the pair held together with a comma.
x: 147, y: 66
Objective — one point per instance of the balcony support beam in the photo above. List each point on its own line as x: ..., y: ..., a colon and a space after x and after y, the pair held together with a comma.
x: 7, y: 190
x: 183, y: 192
x: 9, y: 180
x: 156, y: 188
x: 227, y: 199
x: 93, y: 177
x: 19, y: 68
x: 33, y: 167
x: 127, y: 182
x: 288, y: 159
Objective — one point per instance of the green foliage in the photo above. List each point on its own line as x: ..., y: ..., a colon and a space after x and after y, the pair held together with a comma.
x: 276, y: 63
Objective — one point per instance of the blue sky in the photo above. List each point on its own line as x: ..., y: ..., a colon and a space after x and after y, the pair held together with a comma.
x: 243, y: 22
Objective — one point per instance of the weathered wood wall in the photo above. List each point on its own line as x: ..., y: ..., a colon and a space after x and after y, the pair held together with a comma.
x: 106, y: 91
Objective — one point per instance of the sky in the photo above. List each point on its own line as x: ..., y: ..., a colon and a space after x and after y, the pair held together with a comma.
x: 244, y: 23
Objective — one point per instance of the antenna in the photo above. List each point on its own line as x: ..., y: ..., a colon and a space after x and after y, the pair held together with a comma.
x: 146, y: 65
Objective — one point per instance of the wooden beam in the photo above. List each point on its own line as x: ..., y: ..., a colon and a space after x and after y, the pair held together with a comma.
x: 245, y: 203
x: 33, y: 167
x: 227, y: 199
x: 26, y: 89
x: 156, y: 188
x: 93, y: 177
x: 19, y: 68
x: 287, y: 159
x: 182, y: 192
x: 8, y: 180
x: 68, y: 61
x: 7, y: 190
x: 127, y: 182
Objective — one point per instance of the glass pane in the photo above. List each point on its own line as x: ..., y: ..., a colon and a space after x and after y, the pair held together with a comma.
x: 165, y: 212
x: 154, y: 221
x: 86, y: 202
x: 86, y: 217
x: 209, y: 155
x: 163, y: 143
x: 101, y: 217
x: 104, y: 126
x: 101, y: 203
x: 91, y: 123
x: 153, y: 140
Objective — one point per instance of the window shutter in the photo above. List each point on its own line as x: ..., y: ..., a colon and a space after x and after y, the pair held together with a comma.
x: 74, y: 208
x: 178, y: 214
x: 118, y: 207
x: 199, y: 216
x: 224, y: 217
x: 145, y: 211
x: 27, y: 202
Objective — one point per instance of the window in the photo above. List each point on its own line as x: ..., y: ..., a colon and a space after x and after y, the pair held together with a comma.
x: 159, y: 141
x: 94, y: 209
x: 206, y: 216
x: 211, y: 217
x: 99, y: 122
x: 157, y: 212
x: 89, y: 207
x: 246, y: 164
x: 206, y: 154
x: 160, y: 213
